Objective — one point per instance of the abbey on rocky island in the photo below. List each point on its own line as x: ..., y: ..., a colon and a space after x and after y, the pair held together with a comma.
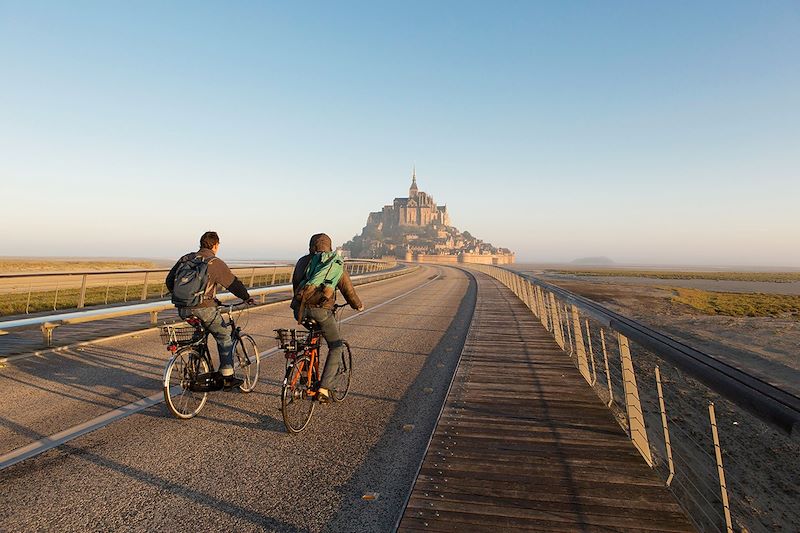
x: 415, y: 228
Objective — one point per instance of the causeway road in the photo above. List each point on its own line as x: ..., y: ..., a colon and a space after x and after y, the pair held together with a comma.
x: 234, y: 467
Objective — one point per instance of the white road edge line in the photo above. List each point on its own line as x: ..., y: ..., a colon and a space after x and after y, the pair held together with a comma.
x: 57, y: 439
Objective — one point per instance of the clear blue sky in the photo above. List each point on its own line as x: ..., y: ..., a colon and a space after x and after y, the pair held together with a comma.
x: 648, y: 132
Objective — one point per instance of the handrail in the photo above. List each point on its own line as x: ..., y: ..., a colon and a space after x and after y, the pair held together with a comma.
x: 49, y: 322
x: 232, y: 264
x: 739, y: 470
x: 771, y: 404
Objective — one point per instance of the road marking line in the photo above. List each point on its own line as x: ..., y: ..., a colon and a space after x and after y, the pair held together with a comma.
x: 57, y: 439
x: 40, y: 446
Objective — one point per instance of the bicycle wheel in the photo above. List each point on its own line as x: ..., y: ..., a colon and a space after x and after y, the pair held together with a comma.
x: 341, y: 381
x: 179, y: 374
x: 246, y: 363
x: 296, y: 404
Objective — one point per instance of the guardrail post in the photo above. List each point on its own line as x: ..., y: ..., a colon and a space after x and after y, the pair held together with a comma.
x: 569, y: 333
x: 252, y: 277
x: 720, y: 470
x: 665, y: 426
x: 608, y: 373
x: 274, y: 271
x: 591, y: 353
x: 580, y: 349
x: 82, y: 295
x: 636, y: 425
x: 532, y: 303
x: 47, y: 333
x: 55, y: 298
x: 544, y: 315
x: 558, y: 331
x: 144, y: 287
x: 28, y: 303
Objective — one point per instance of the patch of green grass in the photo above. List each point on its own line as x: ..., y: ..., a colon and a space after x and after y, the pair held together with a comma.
x: 775, y: 277
x: 739, y: 304
x: 20, y: 303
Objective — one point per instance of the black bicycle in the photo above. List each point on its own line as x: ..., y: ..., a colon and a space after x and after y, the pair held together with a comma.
x: 301, y: 380
x: 188, y: 376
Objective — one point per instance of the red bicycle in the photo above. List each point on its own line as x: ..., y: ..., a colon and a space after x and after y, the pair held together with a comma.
x: 301, y: 381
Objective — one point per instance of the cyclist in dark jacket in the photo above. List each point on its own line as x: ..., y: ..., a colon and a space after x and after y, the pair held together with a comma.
x: 322, y: 312
x: 206, y: 311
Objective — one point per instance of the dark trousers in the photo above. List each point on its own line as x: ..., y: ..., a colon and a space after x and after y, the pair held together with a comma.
x: 327, y: 324
x: 219, y: 329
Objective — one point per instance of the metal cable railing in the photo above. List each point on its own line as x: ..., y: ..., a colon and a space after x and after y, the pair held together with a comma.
x: 260, y: 285
x: 725, y: 442
x: 23, y: 294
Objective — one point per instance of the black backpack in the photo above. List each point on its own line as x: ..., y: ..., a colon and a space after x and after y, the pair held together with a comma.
x: 191, y: 280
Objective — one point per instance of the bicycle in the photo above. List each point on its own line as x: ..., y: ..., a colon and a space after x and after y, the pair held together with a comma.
x: 188, y: 378
x: 301, y: 380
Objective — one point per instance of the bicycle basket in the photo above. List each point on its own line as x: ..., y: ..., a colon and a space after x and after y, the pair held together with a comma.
x: 290, y: 339
x: 180, y: 335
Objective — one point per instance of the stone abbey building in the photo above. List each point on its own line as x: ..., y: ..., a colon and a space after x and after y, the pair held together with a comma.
x: 415, y: 228
x: 419, y: 209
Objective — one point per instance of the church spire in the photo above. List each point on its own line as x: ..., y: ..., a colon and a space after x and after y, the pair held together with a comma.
x: 412, y: 192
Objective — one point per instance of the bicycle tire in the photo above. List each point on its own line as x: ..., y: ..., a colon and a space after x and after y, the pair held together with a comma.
x: 247, y: 361
x: 341, y: 382
x: 296, y: 405
x: 179, y: 374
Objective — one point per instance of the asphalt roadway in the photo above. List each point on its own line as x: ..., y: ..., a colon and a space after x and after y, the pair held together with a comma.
x: 234, y: 467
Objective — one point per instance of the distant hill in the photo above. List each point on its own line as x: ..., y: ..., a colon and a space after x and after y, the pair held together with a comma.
x: 594, y: 261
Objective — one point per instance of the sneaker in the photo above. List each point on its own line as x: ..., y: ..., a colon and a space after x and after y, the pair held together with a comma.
x: 323, y: 396
x: 231, y: 382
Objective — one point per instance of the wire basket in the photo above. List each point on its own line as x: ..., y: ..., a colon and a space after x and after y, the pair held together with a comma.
x: 290, y: 339
x: 180, y: 334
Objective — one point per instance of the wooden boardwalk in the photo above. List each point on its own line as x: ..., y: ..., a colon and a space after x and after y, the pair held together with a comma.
x: 524, y: 443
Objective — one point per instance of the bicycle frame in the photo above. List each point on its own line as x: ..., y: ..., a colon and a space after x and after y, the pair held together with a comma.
x: 312, y: 351
x: 202, y: 344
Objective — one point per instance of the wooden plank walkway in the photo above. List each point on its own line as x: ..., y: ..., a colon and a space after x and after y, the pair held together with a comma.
x: 524, y: 443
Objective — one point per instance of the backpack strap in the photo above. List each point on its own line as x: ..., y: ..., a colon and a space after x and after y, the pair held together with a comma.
x: 332, y: 260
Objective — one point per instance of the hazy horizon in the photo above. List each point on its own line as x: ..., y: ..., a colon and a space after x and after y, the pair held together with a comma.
x: 541, y: 264
x: 651, y: 134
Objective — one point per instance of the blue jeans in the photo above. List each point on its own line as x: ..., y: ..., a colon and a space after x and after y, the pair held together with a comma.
x: 211, y: 319
x: 327, y: 325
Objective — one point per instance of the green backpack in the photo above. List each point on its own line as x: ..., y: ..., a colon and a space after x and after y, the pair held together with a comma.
x: 325, y: 268
x: 319, y: 282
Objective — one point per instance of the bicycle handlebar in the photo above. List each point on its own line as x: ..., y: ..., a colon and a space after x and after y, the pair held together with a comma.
x: 243, y: 303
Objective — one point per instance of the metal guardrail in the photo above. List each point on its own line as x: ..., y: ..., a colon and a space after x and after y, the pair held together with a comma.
x: 360, y: 271
x: 771, y: 404
x: 725, y: 442
x: 31, y: 292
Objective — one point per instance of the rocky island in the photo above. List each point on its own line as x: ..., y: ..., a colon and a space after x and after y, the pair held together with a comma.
x: 415, y: 228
